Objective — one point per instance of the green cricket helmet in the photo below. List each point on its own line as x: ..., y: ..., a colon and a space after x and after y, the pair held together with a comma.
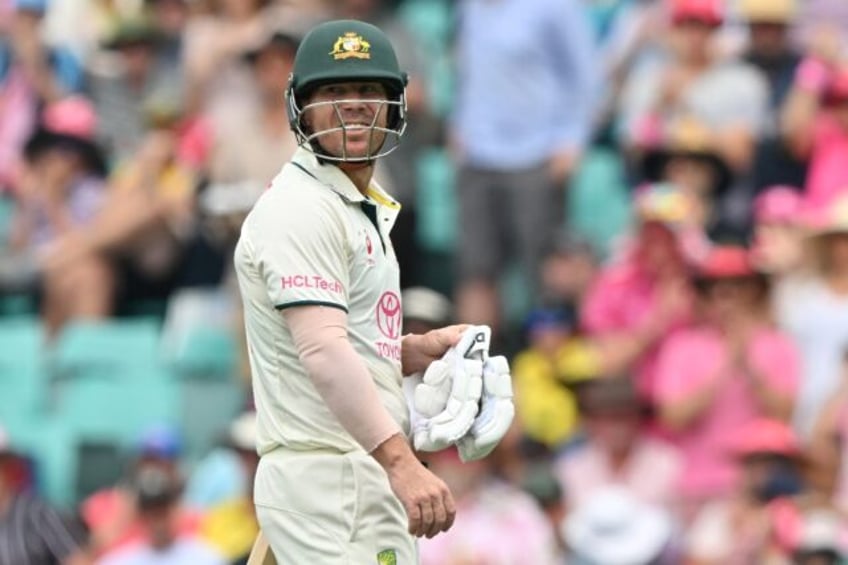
x: 346, y: 51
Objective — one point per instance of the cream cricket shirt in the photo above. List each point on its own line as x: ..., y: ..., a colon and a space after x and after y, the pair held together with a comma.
x: 313, y: 238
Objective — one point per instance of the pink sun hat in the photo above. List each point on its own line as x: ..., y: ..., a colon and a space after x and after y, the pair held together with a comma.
x: 711, y: 12
x: 765, y: 436
x: 69, y: 124
x: 778, y: 204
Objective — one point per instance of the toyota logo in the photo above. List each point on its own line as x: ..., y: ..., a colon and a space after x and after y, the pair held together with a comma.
x: 389, y: 315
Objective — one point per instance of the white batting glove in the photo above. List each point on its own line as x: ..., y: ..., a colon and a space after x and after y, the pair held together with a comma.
x: 447, y: 399
x: 496, y: 412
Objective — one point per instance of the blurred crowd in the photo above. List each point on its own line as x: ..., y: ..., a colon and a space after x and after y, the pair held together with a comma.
x: 649, y: 206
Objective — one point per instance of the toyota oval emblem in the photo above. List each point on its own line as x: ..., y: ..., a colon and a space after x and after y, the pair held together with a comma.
x: 389, y: 315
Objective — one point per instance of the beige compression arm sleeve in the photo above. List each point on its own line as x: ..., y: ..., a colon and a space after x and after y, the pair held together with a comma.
x: 339, y: 373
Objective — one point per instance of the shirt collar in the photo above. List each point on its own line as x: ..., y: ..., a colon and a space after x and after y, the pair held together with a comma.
x: 339, y: 182
x: 328, y: 174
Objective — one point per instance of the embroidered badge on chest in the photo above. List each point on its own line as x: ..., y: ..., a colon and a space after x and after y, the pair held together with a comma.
x: 370, y: 260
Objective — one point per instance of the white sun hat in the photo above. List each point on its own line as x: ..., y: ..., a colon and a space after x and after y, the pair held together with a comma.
x: 615, y: 528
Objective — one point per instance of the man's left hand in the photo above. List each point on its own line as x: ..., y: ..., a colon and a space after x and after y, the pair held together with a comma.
x: 418, y: 351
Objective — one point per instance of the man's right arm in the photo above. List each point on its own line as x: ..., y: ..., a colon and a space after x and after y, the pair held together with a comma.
x: 320, y: 336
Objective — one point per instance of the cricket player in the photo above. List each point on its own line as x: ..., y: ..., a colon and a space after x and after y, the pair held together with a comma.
x: 337, y: 480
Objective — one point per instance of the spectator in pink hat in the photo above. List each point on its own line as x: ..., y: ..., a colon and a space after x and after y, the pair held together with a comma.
x: 726, y: 371
x: 815, y: 118
x: 777, y: 242
x: 32, y: 74
x: 61, y: 189
x: 644, y: 296
x: 775, y: 515
x: 742, y: 528
x: 813, y: 308
x: 147, y: 219
x: 728, y: 96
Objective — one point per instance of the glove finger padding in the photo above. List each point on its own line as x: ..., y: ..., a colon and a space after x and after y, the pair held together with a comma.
x: 496, y: 413
x: 462, y: 406
x: 448, y: 397
x: 431, y: 394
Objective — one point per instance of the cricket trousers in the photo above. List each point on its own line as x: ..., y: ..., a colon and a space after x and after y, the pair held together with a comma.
x: 330, y: 508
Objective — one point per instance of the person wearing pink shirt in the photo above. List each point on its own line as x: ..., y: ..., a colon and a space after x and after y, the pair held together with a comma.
x: 644, y: 296
x: 724, y: 372
x: 750, y: 524
x: 815, y: 120
x: 496, y: 522
x: 777, y: 247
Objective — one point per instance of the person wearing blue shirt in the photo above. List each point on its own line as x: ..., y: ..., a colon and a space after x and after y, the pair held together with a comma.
x: 526, y: 95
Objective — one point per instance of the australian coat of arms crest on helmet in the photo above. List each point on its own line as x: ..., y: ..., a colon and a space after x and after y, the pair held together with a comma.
x: 351, y: 45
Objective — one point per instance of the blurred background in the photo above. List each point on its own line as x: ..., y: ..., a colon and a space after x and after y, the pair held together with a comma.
x: 647, y: 200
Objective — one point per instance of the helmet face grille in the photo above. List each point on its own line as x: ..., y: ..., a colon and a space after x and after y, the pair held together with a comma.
x: 311, y: 140
x: 345, y: 51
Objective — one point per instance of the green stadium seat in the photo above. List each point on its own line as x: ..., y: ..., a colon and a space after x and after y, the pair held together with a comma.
x: 598, y: 199
x: 430, y: 22
x: 23, y: 379
x: 108, y: 346
x: 198, y: 336
x: 436, y: 204
x: 54, y: 449
x: 99, y: 465
x: 206, y: 352
x: 21, y: 342
x: 110, y: 382
x: 200, y: 347
x: 23, y: 399
x: 208, y: 407
x: 17, y: 305
x: 117, y: 409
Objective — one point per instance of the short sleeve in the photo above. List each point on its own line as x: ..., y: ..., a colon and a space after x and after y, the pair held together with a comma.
x: 301, y: 252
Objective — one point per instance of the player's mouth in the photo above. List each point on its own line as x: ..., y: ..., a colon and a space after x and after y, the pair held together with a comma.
x: 357, y: 131
x: 357, y: 124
